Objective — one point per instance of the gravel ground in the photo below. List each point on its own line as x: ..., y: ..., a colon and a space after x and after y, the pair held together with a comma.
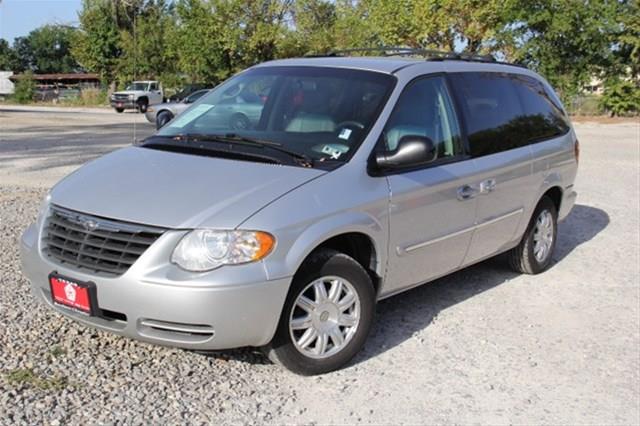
x: 483, y: 345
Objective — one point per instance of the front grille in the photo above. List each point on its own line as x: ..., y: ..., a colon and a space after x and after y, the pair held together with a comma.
x: 93, y: 244
x: 121, y: 97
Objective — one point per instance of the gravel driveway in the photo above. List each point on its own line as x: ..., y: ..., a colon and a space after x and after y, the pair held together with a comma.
x: 483, y: 345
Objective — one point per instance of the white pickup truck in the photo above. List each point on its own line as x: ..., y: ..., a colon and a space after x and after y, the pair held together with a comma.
x: 138, y: 95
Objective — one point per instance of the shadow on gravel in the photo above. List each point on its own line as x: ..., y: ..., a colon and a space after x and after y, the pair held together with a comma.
x: 402, y: 316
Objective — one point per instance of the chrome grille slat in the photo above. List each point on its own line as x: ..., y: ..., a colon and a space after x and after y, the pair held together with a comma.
x: 119, y: 258
x: 126, y: 248
x: 112, y: 235
x: 109, y: 249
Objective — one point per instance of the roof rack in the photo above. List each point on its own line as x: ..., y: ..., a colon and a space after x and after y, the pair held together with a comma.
x: 427, y: 54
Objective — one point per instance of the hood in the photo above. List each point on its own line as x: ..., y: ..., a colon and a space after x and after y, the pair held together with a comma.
x: 176, y: 190
x: 129, y: 92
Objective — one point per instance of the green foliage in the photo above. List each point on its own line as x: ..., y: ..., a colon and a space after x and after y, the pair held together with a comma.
x: 621, y: 97
x: 96, y: 46
x: 9, y: 60
x: 27, y: 377
x: 144, y: 52
x: 567, y: 41
x: 87, y: 98
x: 179, y: 41
x: 214, y: 39
x: 25, y: 88
x: 587, y: 104
x: 314, y: 22
x: 46, y: 50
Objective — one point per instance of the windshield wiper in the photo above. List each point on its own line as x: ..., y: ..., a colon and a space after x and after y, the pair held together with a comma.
x: 209, y: 138
x: 305, y: 159
x: 302, y: 158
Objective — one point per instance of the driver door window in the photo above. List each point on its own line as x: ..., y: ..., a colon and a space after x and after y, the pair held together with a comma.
x: 425, y: 109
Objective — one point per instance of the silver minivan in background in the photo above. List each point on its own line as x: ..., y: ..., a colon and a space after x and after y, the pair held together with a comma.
x: 358, y: 178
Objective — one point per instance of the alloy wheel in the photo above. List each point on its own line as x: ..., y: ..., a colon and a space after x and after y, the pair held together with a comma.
x: 325, y: 317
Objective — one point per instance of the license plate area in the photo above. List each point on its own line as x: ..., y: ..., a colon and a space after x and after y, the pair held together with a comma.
x: 72, y: 294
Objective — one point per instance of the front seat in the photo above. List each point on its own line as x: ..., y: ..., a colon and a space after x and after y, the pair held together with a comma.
x: 307, y: 122
x: 312, y: 114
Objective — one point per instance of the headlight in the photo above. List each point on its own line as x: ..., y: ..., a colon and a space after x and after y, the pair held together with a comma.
x: 149, y: 109
x: 131, y: 96
x: 204, y: 249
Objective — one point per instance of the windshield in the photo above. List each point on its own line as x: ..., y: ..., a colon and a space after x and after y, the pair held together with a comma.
x: 137, y: 86
x: 321, y: 113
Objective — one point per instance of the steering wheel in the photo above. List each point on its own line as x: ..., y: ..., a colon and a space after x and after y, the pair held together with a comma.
x: 350, y: 123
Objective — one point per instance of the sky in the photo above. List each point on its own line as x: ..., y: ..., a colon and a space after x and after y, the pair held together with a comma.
x: 19, y: 17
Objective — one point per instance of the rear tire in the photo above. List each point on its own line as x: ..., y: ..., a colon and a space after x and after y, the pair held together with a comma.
x: 336, y: 321
x: 534, y: 253
x: 163, y: 118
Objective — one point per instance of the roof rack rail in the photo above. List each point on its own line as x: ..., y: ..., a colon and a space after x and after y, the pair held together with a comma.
x: 427, y: 54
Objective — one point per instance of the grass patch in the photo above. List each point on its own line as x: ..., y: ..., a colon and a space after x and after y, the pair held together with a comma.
x: 57, y: 351
x: 26, y: 376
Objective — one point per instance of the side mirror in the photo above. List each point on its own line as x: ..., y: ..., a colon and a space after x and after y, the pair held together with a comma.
x: 186, y: 101
x: 412, y: 151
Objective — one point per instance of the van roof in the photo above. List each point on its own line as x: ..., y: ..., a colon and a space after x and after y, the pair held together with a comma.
x: 386, y: 64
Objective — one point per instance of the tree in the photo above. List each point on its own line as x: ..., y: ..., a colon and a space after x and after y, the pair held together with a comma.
x: 313, y: 29
x: 567, y: 41
x: 9, y: 60
x: 25, y: 88
x: 46, y: 50
x: 620, y: 97
x: 214, y: 39
x: 96, y: 46
x: 144, y: 45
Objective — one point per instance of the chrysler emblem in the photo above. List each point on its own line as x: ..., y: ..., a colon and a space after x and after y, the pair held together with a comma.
x: 90, y: 225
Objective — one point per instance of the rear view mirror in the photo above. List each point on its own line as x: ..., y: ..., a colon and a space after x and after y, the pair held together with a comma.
x: 412, y: 151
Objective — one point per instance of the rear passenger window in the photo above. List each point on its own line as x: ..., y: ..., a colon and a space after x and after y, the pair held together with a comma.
x: 544, y: 119
x: 492, y: 111
x: 425, y: 109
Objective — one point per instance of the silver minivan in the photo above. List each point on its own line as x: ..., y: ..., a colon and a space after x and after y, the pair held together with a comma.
x: 359, y: 178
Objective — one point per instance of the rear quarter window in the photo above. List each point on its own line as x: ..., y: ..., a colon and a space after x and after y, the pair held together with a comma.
x: 543, y: 118
x: 492, y: 111
x: 506, y: 111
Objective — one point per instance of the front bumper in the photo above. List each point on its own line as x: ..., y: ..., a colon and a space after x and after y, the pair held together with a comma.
x: 151, y: 115
x: 157, y: 302
x: 124, y: 104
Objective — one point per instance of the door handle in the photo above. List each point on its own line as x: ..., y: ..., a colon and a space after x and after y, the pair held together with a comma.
x: 466, y: 192
x: 487, y: 186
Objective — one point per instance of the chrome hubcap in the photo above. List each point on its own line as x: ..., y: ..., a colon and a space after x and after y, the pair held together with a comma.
x: 325, y: 316
x: 543, y: 236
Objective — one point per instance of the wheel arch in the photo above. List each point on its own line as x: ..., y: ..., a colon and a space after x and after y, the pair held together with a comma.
x: 555, y: 193
x: 354, y: 233
x: 357, y: 245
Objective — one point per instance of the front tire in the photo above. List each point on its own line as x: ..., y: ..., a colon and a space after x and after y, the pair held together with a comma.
x: 119, y: 110
x: 327, y: 315
x: 143, y: 105
x: 533, y: 254
x: 163, y: 118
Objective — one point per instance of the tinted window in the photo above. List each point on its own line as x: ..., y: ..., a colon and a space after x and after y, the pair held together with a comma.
x: 492, y: 110
x: 195, y: 96
x: 544, y: 119
x: 425, y: 109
